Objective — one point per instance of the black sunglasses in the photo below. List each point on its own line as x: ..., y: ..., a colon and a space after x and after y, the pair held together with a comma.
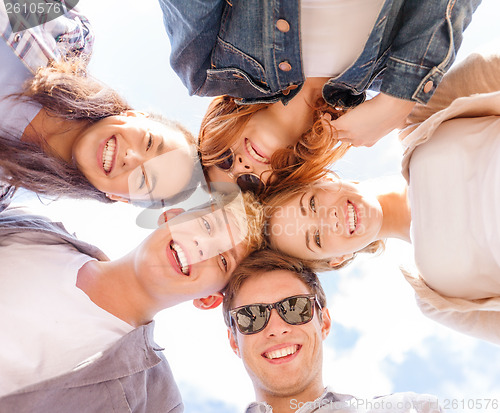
x: 246, y: 181
x: 295, y: 310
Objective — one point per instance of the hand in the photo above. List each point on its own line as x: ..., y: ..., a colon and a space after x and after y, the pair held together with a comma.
x: 373, y: 119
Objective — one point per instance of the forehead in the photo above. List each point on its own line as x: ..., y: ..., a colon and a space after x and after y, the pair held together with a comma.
x: 269, y: 287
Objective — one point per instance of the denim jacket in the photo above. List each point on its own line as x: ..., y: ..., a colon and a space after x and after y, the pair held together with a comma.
x: 237, y: 47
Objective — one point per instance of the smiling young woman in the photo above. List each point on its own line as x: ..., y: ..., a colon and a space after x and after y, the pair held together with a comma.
x: 86, y: 142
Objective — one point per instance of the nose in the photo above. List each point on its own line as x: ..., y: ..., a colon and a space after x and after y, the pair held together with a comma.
x: 276, y: 325
x: 241, y: 164
x: 203, y: 249
x: 132, y: 159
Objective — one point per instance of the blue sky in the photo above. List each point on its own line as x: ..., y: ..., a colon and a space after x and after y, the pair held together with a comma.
x: 380, y: 342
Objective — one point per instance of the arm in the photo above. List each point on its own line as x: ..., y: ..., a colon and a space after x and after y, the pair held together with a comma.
x: 482, y: 324
x: 420, y: 53
x: 36, y: 45
x: 476, y: 74
x: 192, y: 26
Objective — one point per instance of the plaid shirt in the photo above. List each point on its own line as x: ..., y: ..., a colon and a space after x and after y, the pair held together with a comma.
x: 37, y: 46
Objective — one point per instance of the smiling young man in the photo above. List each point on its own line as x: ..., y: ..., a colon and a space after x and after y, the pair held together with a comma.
x: 277, y: 319
x: 86, y: 342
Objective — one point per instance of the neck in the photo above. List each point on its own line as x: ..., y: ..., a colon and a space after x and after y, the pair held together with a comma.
x: 56, y: 136
x: 396, y: 212
x: 112, y: 285
x: 291, y: 403
x: 297, y: 116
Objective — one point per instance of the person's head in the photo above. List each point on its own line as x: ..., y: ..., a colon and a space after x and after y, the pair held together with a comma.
x: 192, y: 254
x: 325, y: 223
x: 283, y: 357
x: 135, y: 156
x: 118, y: 153
x: 237, y: 140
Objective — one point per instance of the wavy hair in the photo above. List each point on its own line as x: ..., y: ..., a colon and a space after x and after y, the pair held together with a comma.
x: 65, y: 91
x: 275, y: 201
x: 305, y: 162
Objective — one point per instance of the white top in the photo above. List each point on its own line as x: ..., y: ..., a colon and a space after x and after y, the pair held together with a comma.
x: 455, y: 198
x: 334, y: 33
x: 48, y: 325
x: 15, y: 115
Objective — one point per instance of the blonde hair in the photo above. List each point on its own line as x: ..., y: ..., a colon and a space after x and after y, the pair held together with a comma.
x: 249, y: 217
x: 305, y: 162
x: 276, y: 200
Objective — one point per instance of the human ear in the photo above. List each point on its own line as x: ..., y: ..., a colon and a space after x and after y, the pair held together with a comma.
x: 326, y: 323
x: 233, y: 343
x: 336, y: 261
x: 169, y: 214
x: 207, y: 303
x: 114, y: 197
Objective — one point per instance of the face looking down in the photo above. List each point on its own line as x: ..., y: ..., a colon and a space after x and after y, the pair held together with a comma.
x: 282, y: 359
x: 330, y: 221
x: 133, y: 157
x: 193, y: 254
x: 267, y: 131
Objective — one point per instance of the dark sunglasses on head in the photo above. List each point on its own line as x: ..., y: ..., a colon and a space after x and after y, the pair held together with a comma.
x: 246, y: 181
x: 252, y: 318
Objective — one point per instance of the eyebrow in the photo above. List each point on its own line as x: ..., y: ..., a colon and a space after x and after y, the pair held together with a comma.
x: 308, y: 239
x: 301, y: 205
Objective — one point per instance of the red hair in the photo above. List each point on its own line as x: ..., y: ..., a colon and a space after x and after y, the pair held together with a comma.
x: 307, y: 161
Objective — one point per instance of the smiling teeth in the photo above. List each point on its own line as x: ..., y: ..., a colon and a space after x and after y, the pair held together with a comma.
x: 108, y: 154
x: 282, y: 352
x: 353, y: 219
x: 254, y: 154
x: 180, y: 257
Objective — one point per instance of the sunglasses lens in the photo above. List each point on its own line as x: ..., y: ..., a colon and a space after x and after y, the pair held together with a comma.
x: 248, y: 182
x: 226, y: 161
x: 296, y: 310
x: 251, y: 318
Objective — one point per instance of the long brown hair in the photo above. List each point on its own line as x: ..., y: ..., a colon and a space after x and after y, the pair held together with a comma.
x: 66, y: 91
x: 274, y: 202
x: 305, y: 162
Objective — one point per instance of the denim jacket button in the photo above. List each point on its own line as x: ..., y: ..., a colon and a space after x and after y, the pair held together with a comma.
x: 285, y: 66
x: 283, y: 26
x: 428, y: 86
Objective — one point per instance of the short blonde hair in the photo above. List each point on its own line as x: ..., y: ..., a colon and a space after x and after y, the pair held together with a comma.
x: 249, y: 216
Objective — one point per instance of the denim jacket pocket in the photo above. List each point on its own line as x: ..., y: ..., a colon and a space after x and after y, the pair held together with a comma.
x: 227, y: 56
x: 234, y: 82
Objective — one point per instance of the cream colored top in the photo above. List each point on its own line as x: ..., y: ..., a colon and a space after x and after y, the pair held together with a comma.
x: 334, y: 33
x: 470, y: 90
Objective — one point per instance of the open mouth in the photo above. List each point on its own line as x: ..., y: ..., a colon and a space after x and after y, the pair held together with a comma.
x: 282, y: 353
x: 254, y: 153
x: 180, y: 258
x: 352, y: 217
x: 108, y: 155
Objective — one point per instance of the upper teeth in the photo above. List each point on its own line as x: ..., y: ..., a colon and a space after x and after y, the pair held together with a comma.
x: 108, y: 154
x: 282, y: 352
x: 180, y: 257
x: 353, y: 219
x: 254, y: 154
